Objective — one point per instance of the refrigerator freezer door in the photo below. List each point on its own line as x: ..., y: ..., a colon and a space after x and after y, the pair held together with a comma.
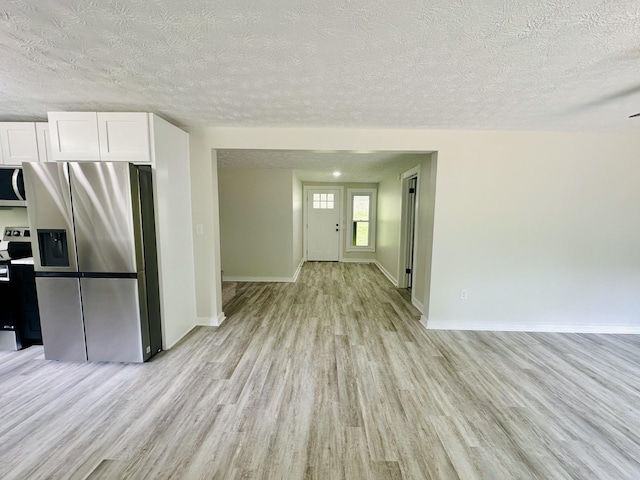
x: 61, y: 318
x: 49, y: 208
x: 104, y: 216
x: 112, y: 319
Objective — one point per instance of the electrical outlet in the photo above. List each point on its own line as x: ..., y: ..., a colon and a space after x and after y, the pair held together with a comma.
x: 463, y: 294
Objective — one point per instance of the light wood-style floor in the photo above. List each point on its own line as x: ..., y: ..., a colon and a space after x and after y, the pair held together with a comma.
x: 328, y: 378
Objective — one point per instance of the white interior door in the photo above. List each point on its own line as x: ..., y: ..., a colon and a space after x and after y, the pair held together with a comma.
x: 323, y: 224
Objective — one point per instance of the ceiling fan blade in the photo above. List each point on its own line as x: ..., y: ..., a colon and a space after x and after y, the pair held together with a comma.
x: 634, y: 115
x: 627, y: 92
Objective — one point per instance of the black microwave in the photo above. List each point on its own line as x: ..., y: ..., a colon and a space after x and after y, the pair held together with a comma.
x: 12, y: 188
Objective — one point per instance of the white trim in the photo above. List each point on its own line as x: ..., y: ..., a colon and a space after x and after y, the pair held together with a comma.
x: 297, y: 274
x: 386, y: 273
x: 268, y: 279
x: 357, y: 260
x: 211, y: 321
x: 305, y: 194
x: 410, y: 173
x: 372, y: 193
x: 205, y: 321
x: 528, y: 327
x: 416, y: 303
x: 261, y: 279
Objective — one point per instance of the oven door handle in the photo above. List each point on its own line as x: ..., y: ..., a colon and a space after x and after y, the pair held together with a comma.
x: 4, y: 273
x: 14, y: 183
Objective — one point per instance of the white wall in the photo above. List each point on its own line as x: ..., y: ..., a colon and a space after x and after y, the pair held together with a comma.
x: 256, y: 224
x: 541, y: 228
x: 424, y: 244
x: 205, y: 211
x: 388, y: 228
x: 174, y: 233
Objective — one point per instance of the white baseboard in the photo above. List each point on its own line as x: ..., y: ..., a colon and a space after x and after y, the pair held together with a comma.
x: 206, y: 321
x: 527, y: 327
x: 211, y: 321
x: 386, y: 273
x: 417, y: 304
x: 260, y: 279
x: 269, y: 279
x: 295, y: 275
x: 357, y: 260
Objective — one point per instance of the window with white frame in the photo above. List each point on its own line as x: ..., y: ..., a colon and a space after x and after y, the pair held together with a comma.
x: 361, y: 224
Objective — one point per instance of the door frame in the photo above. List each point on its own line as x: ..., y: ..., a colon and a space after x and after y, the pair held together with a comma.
x: 305, y: 236
x: 402, y: 257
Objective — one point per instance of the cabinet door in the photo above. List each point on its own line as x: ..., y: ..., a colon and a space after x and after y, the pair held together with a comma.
x: 124, y: 137
x: 19, y: 142
x: 44, y: 142
x: 74, y: 135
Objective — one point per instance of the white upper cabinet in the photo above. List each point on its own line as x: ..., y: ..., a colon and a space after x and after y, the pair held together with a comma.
x: 44, y: 142
x: 18, y: 142
x: 107, y: 136
x: 74, y: 135
x: 124, y: 137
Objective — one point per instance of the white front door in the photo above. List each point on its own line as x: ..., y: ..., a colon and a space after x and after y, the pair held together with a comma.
x: 323, y: 224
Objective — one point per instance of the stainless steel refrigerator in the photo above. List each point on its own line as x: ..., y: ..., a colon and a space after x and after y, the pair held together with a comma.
x: 95, y: 258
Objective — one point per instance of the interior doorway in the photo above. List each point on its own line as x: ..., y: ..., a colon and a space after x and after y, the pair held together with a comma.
x: 408, y: 229
x: 411, y: 190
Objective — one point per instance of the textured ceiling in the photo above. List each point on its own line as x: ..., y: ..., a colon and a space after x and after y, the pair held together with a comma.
x: 471, y: 64
x: 364, y: 167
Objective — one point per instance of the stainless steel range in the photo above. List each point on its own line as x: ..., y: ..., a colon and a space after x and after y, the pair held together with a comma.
x: 19, y: 318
